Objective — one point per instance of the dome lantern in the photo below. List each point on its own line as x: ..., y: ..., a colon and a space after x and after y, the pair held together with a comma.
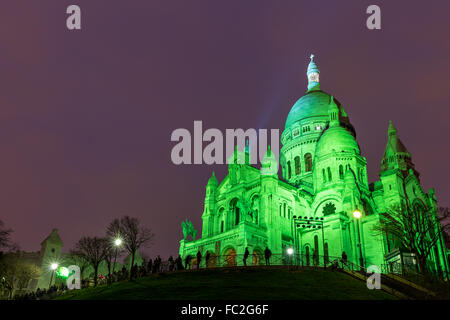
x: 313, y: 74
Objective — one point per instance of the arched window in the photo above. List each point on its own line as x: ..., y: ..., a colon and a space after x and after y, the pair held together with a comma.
x: 329, y: 174
x: 280, y: 210
x: 341, y: 172
x: 235, y: 211
x: 297, y: 165
x: 255, y: 209
x: 316, y: 244
x: 289, y: 169
x: 221, y: 219
x: 316, y: 250
x: 307, y: 255
x: 324, y: 176
x: 308, y: 162
x: 284, y: 210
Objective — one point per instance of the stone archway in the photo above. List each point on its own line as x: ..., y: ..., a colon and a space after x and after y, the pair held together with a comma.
x: 256, y: 257
x: 188, y: 262
x: 212, y: 260
x: 230, y: 258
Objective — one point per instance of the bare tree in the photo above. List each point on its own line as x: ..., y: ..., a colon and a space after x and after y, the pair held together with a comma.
x: 92, y: 250
x: 134, y: 236
x: 113, y: 233
x: 17, y: 272
x: 110, y: 258
x: 415, y: 228
x: 5, y: 236
x: 80, y: 260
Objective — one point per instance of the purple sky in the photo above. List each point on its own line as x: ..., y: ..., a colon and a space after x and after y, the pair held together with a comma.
x: 86, y: 117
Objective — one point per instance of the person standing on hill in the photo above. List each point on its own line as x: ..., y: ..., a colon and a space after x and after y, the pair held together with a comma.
x: 246, y: 254
x: 208, y: 255
x: 267, y: 254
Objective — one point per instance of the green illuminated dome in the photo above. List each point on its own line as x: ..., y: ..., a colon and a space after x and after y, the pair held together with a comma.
x: 336, y: 139
x: 313, y: 104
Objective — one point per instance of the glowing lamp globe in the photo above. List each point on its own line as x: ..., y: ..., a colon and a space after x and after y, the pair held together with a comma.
x: 357, y: 214
x: 290, y: 251
x: 118, y: 242
x: 53, y: 266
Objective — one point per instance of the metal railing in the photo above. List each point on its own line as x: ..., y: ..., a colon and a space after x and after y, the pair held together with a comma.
x: 238, y: 260
x: 411, y: 273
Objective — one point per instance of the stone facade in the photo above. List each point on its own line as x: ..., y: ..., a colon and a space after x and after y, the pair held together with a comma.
x: 324, y: 175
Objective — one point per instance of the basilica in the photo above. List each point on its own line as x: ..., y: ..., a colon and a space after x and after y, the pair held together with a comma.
x: 322, y: 205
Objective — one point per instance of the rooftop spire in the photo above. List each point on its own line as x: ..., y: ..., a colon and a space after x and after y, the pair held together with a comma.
x: 392, y: 131
x: 313, y: 74
x: 333, y: 113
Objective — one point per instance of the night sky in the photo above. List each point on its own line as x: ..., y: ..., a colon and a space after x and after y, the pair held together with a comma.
x: 86, y: 116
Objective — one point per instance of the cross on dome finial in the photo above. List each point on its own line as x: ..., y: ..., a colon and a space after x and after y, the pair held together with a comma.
x: 312, y: 56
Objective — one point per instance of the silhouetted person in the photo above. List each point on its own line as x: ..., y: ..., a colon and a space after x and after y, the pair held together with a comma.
x: 171, y: 263
x: 246, y: 254
x: 157, y: 263
x: 179, y: 263
x: 208, y: 255
x: 149, y: 266
x: 124, y: 272
x: 187, y: 262
x: 344, y: 258
x: 199, y: 259
x: 267, y: 254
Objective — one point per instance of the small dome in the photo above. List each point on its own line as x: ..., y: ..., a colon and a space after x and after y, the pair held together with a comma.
x: 337, y: 139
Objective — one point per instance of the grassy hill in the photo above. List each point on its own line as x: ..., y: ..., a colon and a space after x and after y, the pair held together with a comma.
x: 236, y: 284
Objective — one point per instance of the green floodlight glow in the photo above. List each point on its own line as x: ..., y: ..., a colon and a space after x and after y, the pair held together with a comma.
x: 62, y: 272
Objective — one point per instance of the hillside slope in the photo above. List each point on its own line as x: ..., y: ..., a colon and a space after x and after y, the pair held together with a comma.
x: 236, y: 284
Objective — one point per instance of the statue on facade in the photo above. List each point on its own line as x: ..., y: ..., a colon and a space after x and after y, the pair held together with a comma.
x: 245, y: 209
x: 188, y: 229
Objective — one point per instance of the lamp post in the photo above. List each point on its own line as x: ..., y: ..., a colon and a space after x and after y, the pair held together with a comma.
x: 312, y: 223
x: 53, y: 267
x: 290, y: 251
x: 117, y: 244
x: 357, y: 215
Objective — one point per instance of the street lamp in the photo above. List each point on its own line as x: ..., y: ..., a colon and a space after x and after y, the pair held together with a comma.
x: 53, y: 267
x: 290, y: 252
x: 357, y: 214
x: 117, y: 244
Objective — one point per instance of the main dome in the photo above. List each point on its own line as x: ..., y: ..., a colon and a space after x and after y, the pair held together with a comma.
x: 313, y: 104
